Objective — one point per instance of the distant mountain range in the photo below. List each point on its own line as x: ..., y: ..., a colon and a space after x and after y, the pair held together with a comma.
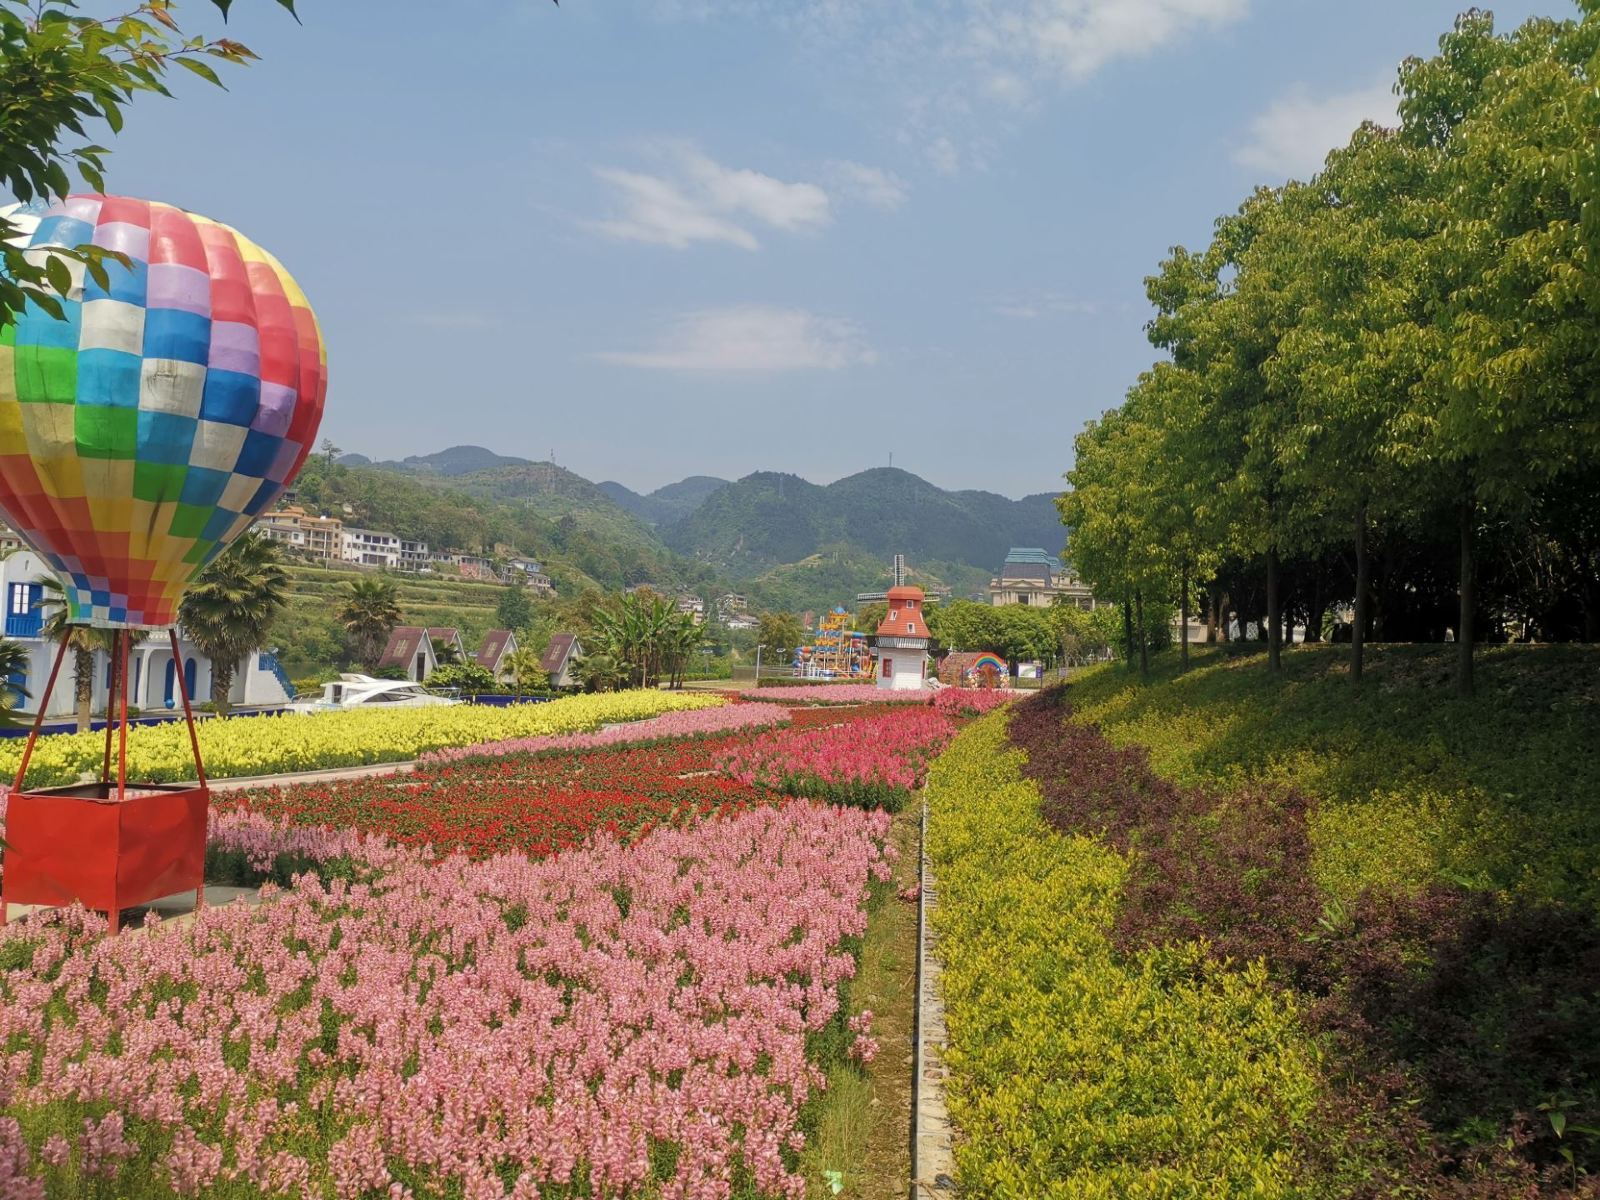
x: 789, y: 542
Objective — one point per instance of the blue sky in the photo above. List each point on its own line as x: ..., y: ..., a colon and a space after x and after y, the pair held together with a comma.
x: 672, y: 237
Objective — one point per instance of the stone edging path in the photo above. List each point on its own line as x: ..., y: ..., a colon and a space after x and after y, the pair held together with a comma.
x: 933, y: 1165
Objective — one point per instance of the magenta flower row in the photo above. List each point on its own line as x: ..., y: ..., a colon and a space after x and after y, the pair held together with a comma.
x: 890, y: 749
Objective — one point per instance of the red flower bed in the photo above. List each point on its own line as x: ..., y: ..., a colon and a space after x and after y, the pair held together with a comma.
x: 539, y: 804
x: 535, y: 805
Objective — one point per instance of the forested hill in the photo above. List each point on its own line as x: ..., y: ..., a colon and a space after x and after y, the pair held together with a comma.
x: 560, y: 518
x: 767, y: 519
x: 666, y: 504
x: 789, y: 543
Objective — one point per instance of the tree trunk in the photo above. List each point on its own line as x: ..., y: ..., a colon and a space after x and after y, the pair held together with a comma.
x: 1127, y: 627
x: 82, y: 686
x: 1358, y: 623
x: 1274, y: 615
x: 1144, y: 637
x: 1223, y: 600
x: 221, y: 684
x: 1211, y: 616
x: 1183, y: 576
x: 1314, y: 615
x: 1468, y: 600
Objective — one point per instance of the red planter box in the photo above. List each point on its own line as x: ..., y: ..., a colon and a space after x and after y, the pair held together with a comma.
x: 81, y: 843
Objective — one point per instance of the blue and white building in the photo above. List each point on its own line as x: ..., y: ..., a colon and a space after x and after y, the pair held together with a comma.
x: 152, y: 670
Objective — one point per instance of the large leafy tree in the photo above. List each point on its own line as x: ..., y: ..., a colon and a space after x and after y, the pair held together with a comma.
x: 369, y: 612
x: 781, y: 633
x: 1509, y: 398
x: 61, y: 73
x: 643, y: 635
x: 228, y: 611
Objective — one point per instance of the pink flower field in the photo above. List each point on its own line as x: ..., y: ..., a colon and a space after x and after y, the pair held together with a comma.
x: 703, y: 722
x: 610, y: 1021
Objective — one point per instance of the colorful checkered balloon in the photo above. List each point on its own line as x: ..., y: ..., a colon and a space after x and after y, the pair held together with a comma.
x: 147, y: 430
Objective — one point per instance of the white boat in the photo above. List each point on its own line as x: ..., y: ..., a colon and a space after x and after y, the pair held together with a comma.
x: 351, y: 691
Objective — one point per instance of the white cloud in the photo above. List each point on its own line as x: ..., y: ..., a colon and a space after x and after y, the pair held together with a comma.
x: 1294, y: 135
x: 943, y: 156
x: 1074, y: 39
x: 1045, y: 304
x: 751, y: 338
x: 656, y: 210
x: 697, y: 199
x: 869, y: 185
x: 945, y: 75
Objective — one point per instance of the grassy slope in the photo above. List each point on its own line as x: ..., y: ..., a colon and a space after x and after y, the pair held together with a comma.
x: 309, y: 636
x: 1498, y: 791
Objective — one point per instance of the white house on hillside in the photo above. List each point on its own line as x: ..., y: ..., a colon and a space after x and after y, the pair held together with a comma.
x: 152, y: 671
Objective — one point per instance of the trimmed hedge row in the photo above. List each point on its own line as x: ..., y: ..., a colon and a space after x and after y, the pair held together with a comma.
x: 1077, y: 1070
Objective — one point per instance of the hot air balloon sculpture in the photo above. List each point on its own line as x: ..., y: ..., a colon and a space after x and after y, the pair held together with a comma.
x: 139, y: 436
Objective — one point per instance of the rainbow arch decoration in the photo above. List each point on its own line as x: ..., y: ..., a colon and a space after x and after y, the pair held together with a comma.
x: 147, y: 430
x: 969, y: 669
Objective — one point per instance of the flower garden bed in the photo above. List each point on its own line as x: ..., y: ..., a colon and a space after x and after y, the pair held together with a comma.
x: 581, y: 972
x: 276, y: 744
x: 618, y: 1020
x: 873, y: 762
x: 965, y: 700
x: 674, y: 726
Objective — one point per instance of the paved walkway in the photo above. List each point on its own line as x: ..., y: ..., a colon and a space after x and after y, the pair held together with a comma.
x: 933, y: 1166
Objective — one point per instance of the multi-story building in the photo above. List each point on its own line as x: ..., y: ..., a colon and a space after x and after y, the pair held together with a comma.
x: 320, y: 537
x: 371, y: 548
x: 531, y: 572
x: 1031, y: 576
x: 732, y: 602
x: 694, y: 606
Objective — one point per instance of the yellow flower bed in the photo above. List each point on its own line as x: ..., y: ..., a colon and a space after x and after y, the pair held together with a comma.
x: 1076, y: 1071
x: 295, y: 742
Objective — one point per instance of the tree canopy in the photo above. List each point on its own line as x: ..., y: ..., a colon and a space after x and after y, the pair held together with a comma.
x: 62, y: 72
x: 1378, y: 387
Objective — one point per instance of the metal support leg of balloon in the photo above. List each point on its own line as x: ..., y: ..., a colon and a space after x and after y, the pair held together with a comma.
x: 27, y: 753
x: 194, y: 744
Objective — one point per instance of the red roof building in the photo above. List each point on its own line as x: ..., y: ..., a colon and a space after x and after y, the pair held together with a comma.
x: 901, y: 653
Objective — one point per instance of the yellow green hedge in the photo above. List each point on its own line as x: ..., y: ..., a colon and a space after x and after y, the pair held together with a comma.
x: 270, y: 745
x: 1074, y: 1072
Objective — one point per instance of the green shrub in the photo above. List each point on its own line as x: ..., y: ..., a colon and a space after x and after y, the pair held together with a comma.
x: 1075, y: 1072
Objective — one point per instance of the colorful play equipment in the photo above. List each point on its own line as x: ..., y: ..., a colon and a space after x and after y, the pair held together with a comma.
x: 140, y: 434
x: 836, y: 652
x: 980, y: 669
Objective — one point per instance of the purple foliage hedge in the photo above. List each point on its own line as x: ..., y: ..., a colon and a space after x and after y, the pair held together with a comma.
x: 1459, y: 1020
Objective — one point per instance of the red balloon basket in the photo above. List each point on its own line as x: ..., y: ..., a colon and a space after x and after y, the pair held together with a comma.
x: 109, y: 844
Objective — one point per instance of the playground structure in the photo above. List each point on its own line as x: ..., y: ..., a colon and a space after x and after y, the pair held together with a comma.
x: 837, y: 651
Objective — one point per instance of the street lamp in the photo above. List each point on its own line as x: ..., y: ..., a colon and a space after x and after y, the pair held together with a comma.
x: 759, y: 648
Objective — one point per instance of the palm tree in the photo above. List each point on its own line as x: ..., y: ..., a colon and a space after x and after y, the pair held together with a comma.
x: 13, y: 661
x: 82, y: 641
x: 601, y: 672
x: 447, y: 655
x: 229, y: 609
x: 527, y: 668
x: 370, y: 610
